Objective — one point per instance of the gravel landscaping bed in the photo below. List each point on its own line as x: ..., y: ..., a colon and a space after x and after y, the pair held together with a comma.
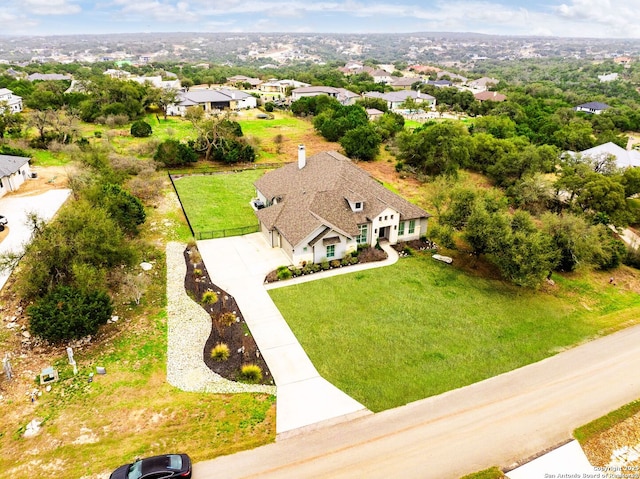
x: 189, y: 327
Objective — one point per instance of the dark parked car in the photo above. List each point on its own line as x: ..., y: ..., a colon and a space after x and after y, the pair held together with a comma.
x: 156, y: 467
x: 3, y: 222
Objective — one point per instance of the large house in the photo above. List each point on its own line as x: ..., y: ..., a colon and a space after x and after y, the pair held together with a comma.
x: 8, y: 99
x: 212, y: 101
x: 14, y: 170
x: 490, y: 96
x: 322, y: 207
x: 395, y: 99
x: 593, y: 107
x: 344, y: 96
x: 623, y: 158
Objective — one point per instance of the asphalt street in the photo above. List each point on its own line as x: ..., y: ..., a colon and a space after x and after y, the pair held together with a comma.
x: 501, y: 421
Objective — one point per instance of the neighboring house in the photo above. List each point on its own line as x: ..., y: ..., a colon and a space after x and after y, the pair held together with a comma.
x: 344, y: 96
x: 280, y: 86
x: 234, y: 80
x: 117, y: 73
x: 395, y: 99
x: 13, y: 171
x: 624, y: 158
x: 373, y: 113
x: 158, y: 82
x: 13, y: 102
x: 624, y: 60
x: 440, y: 83
x: 490, y: 96
x: 483, y: 83
x: 405, y: 83
x: 608, y: 77
x: 212, y: 101
x: 594, y: 107
x: 48, y: 77
x: 382, y: 76
x: 322, y: 207
x: 452, y: 76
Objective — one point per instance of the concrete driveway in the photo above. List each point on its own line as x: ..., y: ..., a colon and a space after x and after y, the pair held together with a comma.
x: 16, y: 208
x: 239, y: 265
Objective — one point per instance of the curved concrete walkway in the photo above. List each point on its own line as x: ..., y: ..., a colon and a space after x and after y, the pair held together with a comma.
x: 304, y: 399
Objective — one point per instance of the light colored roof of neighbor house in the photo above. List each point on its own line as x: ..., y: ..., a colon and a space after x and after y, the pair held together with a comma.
x: 399, y: 96
x: 624, y: 158
x: 405, y: 81
x: 10, y: 164
x: 48, y: 77
x: 483, y: 82
x: 594, y: 105
x: 316, y: 195
x: 490, y: 95
x: 196, y: 97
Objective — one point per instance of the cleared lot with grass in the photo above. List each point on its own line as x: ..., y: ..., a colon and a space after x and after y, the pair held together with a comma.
x: 389, y: 336
x: 219, y: 201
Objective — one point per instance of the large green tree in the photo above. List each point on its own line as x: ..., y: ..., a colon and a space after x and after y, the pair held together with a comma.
x: 436, y: 148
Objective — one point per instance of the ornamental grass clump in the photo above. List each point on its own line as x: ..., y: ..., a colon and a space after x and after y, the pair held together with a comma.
x: 227, y: 319
x: 209, y: 297
x: 251, y: 373
x: 220, y: 352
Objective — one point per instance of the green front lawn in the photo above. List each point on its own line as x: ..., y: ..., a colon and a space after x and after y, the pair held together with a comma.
x: 392, y: 335
x: 219, y: 201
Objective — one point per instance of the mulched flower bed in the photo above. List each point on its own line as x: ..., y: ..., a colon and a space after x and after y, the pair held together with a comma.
x: 415, y: 245
x: 242, y: 347
x: 365, y: 255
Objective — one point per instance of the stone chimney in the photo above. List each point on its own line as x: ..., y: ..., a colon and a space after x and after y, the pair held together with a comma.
x: 302, y: 157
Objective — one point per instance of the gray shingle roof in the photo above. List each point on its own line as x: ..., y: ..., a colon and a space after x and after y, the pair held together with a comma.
x: 316, y: 196
x: 10, y: 164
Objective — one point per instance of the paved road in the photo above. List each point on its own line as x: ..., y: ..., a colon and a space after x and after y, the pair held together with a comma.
x: 16, y: 207
x: 499, y: 421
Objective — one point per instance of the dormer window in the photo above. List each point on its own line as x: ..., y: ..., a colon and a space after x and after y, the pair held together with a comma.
x: 355, y: 204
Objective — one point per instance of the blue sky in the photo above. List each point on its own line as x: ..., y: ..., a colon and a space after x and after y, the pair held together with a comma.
x: 580, y: 18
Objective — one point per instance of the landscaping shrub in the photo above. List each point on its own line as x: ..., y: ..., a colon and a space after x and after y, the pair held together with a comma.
x: 69, y: 313
x: 173, y: 153
x: 408, y: 250
x: 141, y: 129
x: 251, y: 373
x: 335, y: 263
x: 283, y: 272
x: 269, y: 106
x: 227, y: 319
x: 197, y: 272
x: 324, y: 265
x: 209, y: 297
x: 220, y: 352
x: 10, y: 151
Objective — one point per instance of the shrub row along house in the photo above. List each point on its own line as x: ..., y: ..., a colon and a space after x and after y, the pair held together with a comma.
x: 322, y: 207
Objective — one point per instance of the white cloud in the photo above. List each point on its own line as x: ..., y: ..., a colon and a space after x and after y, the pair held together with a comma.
x: 160, y: 11
x: 50, y: 7
x: 605, y: 17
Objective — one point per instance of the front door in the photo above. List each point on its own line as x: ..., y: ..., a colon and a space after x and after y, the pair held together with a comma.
x: 384, y: 232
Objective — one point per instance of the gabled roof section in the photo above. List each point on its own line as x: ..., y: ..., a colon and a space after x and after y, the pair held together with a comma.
x: 10, y: 164
x: 318, y: 195
x: 594, y: 105
x: 624, y: 158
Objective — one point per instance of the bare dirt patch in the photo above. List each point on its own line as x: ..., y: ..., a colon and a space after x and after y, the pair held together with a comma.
x: 48, y: 178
